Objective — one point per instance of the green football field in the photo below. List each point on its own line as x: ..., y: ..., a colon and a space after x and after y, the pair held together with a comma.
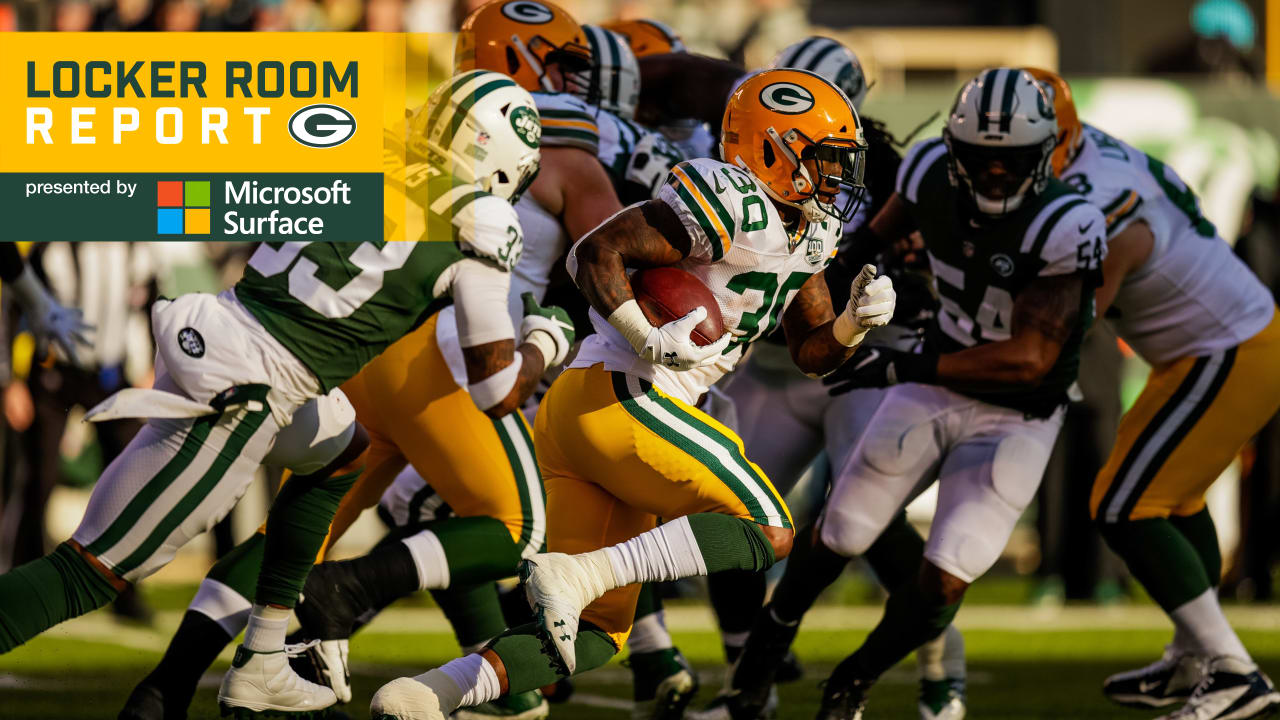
x: 1023, y: 662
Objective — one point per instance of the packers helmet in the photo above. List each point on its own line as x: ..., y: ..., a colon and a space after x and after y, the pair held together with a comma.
x: 483, y: 128
x: 520, y: 38
x: 830, y: 59
x: 613, y: 82
x: 799, y: 135
x: 1070, y: 131
x: 648, y: 37
x: 1000, y: 138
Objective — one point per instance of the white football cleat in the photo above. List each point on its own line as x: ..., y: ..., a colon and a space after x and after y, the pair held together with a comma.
x: 1231, y: 689
x: 405, y: 699
x: 263, y: 682
x: 558, y: 587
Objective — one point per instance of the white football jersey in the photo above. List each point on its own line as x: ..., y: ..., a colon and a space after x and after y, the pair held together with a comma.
x: 740, y: 249
x: 632, y: 153
x: 1193, y: 296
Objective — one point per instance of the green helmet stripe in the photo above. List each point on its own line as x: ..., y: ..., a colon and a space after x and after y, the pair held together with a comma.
x: 470, y: 99
x: 1006, y: 104
x: 615, y: 59
x: 794, y: 57
x: 822, y: 55
x: 438, y: 110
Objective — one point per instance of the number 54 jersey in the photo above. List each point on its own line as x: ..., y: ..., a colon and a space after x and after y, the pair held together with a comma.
x: 742, y: 251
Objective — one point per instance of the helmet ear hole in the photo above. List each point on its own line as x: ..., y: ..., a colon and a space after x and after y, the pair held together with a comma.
x: 769, y: 157
x: 513, y: 61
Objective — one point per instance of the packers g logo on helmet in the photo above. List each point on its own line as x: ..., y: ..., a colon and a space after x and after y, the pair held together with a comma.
x: 527, y: 11
x: 527, y: 126
x: 786, y: 98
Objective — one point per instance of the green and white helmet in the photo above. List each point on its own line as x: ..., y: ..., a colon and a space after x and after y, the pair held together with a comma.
x: 829, y: 59
x: 613, y: 83
x: 1000, y: 138
x: 483, y: 128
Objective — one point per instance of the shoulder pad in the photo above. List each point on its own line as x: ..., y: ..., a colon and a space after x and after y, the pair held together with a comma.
x: 567, y: 121
x: 484, y: 226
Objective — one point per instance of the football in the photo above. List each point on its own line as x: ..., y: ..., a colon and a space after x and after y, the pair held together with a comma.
x: 668, y: 293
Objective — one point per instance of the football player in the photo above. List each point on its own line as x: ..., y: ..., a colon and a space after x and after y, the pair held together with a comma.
x: 618, y: 437
x: 1177, y: 294
x: 1015, y: 255
x: 793, y: 419
x: 242, y: 363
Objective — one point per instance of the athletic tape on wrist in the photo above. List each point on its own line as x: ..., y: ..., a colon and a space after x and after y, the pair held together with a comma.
x: 629, y: 319
x: 847, y: 330
x: 546, y: 344
x: 495, y: 388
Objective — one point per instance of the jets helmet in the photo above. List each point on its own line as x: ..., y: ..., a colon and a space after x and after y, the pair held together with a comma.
x: 483, y: 128
x: 1000, y: 136
x: 648, y: 37
x: 1070, y: 131
x: 521, y: 38
x: 799, y: 135
x: 830, y: 59
x: 613, y: 82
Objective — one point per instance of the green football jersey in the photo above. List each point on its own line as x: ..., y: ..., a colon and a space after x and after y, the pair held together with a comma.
x: 336, y: 306
x: 980, y: 265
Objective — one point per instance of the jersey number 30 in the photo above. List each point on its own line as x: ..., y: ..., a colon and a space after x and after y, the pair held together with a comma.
x: 331, y: 302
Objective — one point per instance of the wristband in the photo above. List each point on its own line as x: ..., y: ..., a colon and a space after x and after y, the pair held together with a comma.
x: 546, y: 345
x: 495, y: 388
x: 629, y: 320
x: 847, y: 330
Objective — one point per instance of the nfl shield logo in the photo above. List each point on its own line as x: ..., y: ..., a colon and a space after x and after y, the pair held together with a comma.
x: 813, y: 251
x: 191, y: 342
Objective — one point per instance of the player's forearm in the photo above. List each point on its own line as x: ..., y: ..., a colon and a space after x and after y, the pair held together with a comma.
x: 602, y: 276
x: 501, y: 376
x: 1013, y: 365
x: 819, y: 352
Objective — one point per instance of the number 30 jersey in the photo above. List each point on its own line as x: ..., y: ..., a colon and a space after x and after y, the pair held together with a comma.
x: 1192, y: 296
x: 741, y: 250
x: 336, y: 306
x: 981, y: 265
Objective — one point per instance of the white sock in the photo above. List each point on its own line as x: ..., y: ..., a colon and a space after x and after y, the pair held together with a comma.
x: 1202, y: 621
x: 953, y: 653
x: 668, y: 552
x: 467, y: 681
x: 929, y: 659
x: 649, y: 634
x: 267, y: 628
x: 734, y: 640
x: 428, y: 556
x: 223, y: 605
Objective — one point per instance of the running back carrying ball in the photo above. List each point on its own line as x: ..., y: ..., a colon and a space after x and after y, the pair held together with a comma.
x: 668, y: 293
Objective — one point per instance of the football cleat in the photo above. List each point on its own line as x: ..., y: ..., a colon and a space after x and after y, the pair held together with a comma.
x: 325, y: 662
x: 263, y: 684
x: 558, y: 587
x: 1164, y: 682
x: 663, y: 683
x: 1231, y: 689
x: 736, y: 706
x: 521, y: 706
x: 146, y: 702
x: 844, y: 696
x: 405, y: 699
x: 942, y: 699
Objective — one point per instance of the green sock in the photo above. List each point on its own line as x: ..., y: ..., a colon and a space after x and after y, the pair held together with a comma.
x: 473, y: 611
x: 239, y: 568
x: 42, y: 593
x: 910, y: 619
x: 895, y: 556
x: 528, y: 665
x: 1161, y: 558
x: 730, y: 543
x: 479, y: 549
x: 1199, y: 530
x: 649, y: 601
x: 296, y: 527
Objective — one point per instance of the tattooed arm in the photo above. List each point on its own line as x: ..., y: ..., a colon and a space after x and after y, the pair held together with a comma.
x: 1044, y: 315
x: 642, y: 236
x: 808, y: 323
x: 488, y: 359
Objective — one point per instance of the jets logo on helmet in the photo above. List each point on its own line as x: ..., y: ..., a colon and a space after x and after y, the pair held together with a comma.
x: 525, y: 122
x: 830, y: 59
x: 527, y: 11
x: 786, y: 98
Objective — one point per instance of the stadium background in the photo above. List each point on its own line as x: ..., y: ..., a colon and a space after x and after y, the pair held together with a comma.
x: 1194, y: 83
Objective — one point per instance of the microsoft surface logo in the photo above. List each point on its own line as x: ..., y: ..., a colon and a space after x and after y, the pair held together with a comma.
x: 183, y: 207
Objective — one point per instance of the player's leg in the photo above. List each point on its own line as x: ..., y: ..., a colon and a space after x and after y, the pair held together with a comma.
x: 662, y: 680
x: 989, y: 475
x: 1183, y: 431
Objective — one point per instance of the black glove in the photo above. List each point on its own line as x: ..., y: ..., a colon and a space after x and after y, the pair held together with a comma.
x: 877, y: 367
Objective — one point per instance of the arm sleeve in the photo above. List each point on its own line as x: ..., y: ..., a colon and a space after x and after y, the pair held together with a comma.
x: 488, y: 228
x: 480, y: 298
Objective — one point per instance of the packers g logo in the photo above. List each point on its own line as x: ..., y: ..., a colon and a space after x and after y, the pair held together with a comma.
x: 528, y: 12
x: 322, y: 126
x: 526, y: 125
x: 786, y: 98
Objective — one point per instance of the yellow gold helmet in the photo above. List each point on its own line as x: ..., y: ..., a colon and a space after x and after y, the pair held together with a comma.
x: 1070, y: 131
x: 521, y: 38
x: 647, y: 37
x: 801, y: 138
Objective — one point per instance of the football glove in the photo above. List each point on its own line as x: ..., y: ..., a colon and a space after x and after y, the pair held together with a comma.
x: 871, y: 303
x: 50, y: 321
x: 547, y: 328
x: 672, y: 346
x: 877, y: 367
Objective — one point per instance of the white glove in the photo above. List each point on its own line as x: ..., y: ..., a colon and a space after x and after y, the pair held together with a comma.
x: 553, y: 323
x: 50, y: 321
x: 871, y: 303
x: 670, y: 344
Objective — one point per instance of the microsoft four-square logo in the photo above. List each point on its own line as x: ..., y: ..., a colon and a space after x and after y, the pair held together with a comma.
x: 183, y: 207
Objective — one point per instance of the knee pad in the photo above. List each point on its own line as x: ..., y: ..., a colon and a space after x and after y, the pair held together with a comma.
x: 847, y: 532
x: 319, y: 432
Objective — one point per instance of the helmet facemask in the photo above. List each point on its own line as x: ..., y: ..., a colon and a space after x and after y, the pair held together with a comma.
x: 572, y: 59
x: 830, y: 171
x: 999, y: 178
